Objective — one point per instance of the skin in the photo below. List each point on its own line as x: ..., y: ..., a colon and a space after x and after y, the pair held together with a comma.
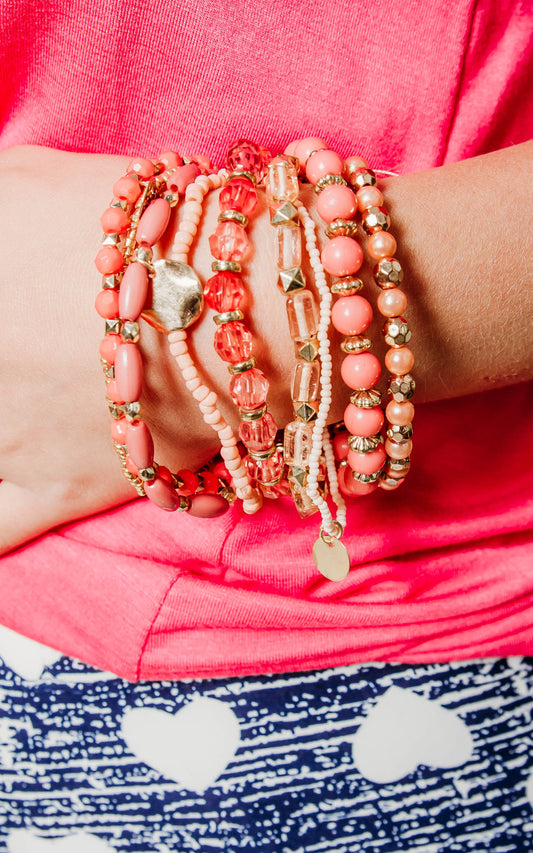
x: 463, y: 242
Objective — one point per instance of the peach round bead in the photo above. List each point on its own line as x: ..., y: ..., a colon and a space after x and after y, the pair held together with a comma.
x: 342, y: 256
x: 380, y: 245
x: 398, y: 451
x: 207, y: 505
x: 143, y: 167
x: 392, y: 303
x: 129, y: 372
x: 170, y: 160
x: 351, y: 165
x: 323, y: 163
x: 140, y: 444
x: 305, y: 147
x: 336, y: 202
x: 400, y: 414
x: 109, y: 346
x: 369, y: 197
x: 399, y: 360
x: 133, y: 291
x: 162, y: 494
x: 182, y: 177
x: 109, y: 260
x: 106, y: 304
x: 341, y: 446
x: 153, y: 223
x: 127, y: 189
x: 351, y: 487
x: 360, y: 371
x: 367, y: 463
x: 118, y: 430
x: 363, y: 422
x: 351, y: 315
x: 114, y: 220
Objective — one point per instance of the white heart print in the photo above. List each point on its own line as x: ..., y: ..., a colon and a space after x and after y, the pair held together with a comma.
x: 23, y: 841
x: 193, y: 747
x: 404, y: 730
x: 24, y: 656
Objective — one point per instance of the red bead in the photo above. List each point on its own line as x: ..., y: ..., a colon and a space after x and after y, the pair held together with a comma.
x: 106, y: 304
x: 229, y: 242
x: 233, y: 342
x: 208, y: 505
x: 260, y: 434
x: 164, y: 473
x: 211, y: 483
x: 224, y: 291
x: 341, y: 446
x: 221, y: 471
x: 162, y: 494
x: 246, y: 156
x: 239, y: 194
x: 351, y: 487
x: 190, y: 482
x: 249, y: 389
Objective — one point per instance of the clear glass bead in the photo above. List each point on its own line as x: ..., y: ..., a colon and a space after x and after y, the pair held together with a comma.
x: 305, y: 381
x: 224, y: 292
x: 229, y: 242
x: 282, y: 180
x: 258, y: 435
x: 297, y: 443
x: 233, y: 342
x: 249, y: 389
x: 288, y: 246
x: 266, y: 470
x: 302, y: 315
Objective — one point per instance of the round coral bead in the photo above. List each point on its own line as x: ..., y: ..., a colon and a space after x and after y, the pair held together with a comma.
x: 351, y: 487
x: 106, y: 304
x: 127, y: 189
x: 170, y: 159
x: 351, y: 315
x: 305, y: 147
x: 363, y: 422
x: 336, y: 202
x: 342, y: 256
x: 360, y: 371
x: 143, y: 167
x: 109, y: 260
x: 114, y: 220
x: 323, y: 163
x: 341, y: 446
x: 367, y: 463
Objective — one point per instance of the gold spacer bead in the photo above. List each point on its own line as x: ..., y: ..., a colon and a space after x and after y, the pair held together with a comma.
x: 260, y: 455
x: 132, y: 411
x: 233, y: 216
x: 366, y: 478
x: 226, y: 266
x: 342, y: 228
x: 228, y: 317
x: 364, y: 444
x: 356, y: 343
x: 327, y: 180
x: 147, y: 474
x: 347, y: 286
x: 252, y: 414
x: 242, y: 174
x: 242, y: 367
x: 112, y: 327
x: 366, y: 399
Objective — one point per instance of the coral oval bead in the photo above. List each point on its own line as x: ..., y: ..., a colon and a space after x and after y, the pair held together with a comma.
x: 118, y: 430
x: 360, y: 371
x: 363, y: 422
x: 342, y: 256
x: 367, y: 463
x: 153, y: 223
x: 114, y: 220
x: 133, y: 291
x: 140, y: 444
x: 109, y: 260
x: 336, y: 202
x: 352, y: 487
x: 109, y: 346
x: 129, y: 372
x: 323, y: 163
x: 351, y: 315
x: 208, y: 506
x: 182, y: 177
x: 106, y: 304
x: 113, y: 393
x: 162, y: 494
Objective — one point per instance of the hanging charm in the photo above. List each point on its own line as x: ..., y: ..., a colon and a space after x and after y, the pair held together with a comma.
x: 330, y: 555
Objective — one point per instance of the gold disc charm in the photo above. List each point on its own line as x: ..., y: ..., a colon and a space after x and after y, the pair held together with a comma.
x: 177, y: 297
x: 331, y: 557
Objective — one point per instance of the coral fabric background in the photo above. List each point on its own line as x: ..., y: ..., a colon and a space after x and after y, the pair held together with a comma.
x: 443, y: 568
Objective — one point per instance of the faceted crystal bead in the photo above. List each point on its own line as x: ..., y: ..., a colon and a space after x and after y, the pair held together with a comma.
x: 238, y: 194
x: 305, y: 383
x: 282, y: 180
x: 233, y: 342
x: 249, y: 389
x: 246, y: 156
x: 224, y: 292
x: 229, y: 242
x: 288, y: 246
x: 258, y: 435
x: 297, y: 441
x: 266, y: 470
x: 302, y: 315
x: 302, y: 501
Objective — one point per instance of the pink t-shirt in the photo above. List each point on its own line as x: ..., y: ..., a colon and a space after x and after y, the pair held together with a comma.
x: 441, y: 569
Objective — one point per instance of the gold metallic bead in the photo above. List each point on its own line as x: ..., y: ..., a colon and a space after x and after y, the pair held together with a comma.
x: 285, y: 213
x: 242, y: 367
x: 390, y: 483
x: 342, y: 228
x: 347, y: 286
x: 171, y: 198
x: 263, y: 454
x: 132, y: 411
x: 327, y: 180
x: 147, y: 474
x: 356, y: 343
x: 226, y: 266
x: 242, y: 174
x: 227, y: 493
x: 184, y: 505
x: 115, y: 411
x: 397, y: 467
x: 131, y: 331
x: 122, y: 203
x: 307, y: 350
x: 111, y: 282
x: 375, y: 219
x: 112, y: 327
x: 228, y: 317
x: 144, y: 256
x: 366, y: 478
x: 110, y: 240
x: 363, y: 178
x: 397, y: 332
x: 109, y: 369
x: 252, y: 414
x: 402, y: 387
x: 388, y: 273
x: 364, y: 444
x: 297, y: 475
x: 307, y: 412
x: 233, y: 216
x: 399, y: 434
x: 366, y: 399
x: 291, y: 280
